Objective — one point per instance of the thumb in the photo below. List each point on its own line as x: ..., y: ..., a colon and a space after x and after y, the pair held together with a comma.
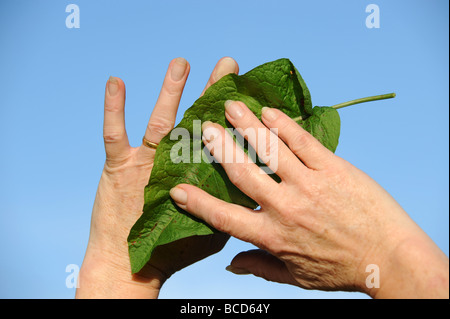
x: 261, y: 264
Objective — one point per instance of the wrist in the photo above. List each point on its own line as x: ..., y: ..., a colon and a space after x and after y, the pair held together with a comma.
x: 415, y: 268
x: 104, y: 278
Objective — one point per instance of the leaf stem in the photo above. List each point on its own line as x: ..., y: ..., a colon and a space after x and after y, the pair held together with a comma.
x: 364, y: 99
x: 357, y: 101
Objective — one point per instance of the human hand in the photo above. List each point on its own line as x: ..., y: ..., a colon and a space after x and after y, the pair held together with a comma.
x: 323, y: 224
x: 106, y: 270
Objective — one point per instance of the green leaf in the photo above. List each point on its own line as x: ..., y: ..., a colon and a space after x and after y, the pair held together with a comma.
x: 276, y: 84
x: 324, y: 125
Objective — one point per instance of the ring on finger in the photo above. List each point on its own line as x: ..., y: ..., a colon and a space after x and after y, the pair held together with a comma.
x: 149, y: 144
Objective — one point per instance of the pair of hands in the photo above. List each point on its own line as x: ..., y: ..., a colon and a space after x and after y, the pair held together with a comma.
x: 318, y: 228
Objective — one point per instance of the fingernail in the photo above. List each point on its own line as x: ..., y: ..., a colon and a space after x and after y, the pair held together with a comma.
x: 234, y: 109
x: 113, y: 86
x: 237, y: 271
x: 206, y: 124
x: 269, y: 114
x: 227, y: 65
x: 178, y: 69
x: 209, y: 132
x: 179, y: 195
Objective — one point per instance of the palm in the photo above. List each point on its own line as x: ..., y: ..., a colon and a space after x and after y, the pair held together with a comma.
x: 171, y: 257
x: 120, y: 196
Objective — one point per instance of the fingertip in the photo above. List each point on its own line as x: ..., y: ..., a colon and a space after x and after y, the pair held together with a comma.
x: 269, y: 114
x: 206, y: 124
x: 211, y: 132
x: 179, y: 195
x: 115, y: 94
x: 232, y: 61
x: 179, y: 69
x: 116, y: 80
x: 237, y: 270
x: 209, y: 127
x: 113, y: 85
x: 184, y: 187
x: 277, y: 119
x: 225, y: 65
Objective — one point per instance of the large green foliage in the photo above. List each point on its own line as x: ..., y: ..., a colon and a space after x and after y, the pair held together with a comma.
x: 275, y: 84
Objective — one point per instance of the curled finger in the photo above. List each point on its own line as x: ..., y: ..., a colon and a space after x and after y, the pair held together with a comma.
x: 239, y: 222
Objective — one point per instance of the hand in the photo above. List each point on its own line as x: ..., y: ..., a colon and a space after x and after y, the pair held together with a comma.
x: 119, y: 201
x: 323, y: 224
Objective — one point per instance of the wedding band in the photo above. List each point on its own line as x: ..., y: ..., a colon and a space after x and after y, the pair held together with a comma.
x: 149, y: 144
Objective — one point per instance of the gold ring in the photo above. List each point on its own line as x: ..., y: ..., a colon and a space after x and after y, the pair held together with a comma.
x: 149, y: 144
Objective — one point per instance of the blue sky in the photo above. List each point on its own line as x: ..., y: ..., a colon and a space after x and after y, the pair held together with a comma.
x: 51, y: 110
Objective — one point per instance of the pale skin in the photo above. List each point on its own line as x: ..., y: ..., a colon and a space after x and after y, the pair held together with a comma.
x: 323, y: 224
x: 106, y: 271
x: 317, y: 229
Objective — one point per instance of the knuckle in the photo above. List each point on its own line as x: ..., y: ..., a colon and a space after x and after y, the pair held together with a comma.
x: 240, y: 174
x: 160, y: 126
x: 249, y: 123
x: 265, y: 241
x: 220, y: 220
x: 112, y: 137
x: 339, y: 174
x: 269, y: 150
x: 115, y: 165
x: 113, y: 107
x: 271, y: 242
x: 300, y: 142
x: 194, y: 203
x: 340, y: 165
x: 313, y: 193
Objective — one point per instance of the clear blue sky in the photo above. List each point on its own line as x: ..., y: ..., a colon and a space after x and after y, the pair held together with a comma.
x: 51, y: 107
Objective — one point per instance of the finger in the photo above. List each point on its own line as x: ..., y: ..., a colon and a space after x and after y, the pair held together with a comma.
x: 278, y: 157
x: 225, y: 66
x: 114, y: 133
x: 241, y: 171
x: 239, y: 222
x: 261, y: 264
x: 308, y: 149
x: 164, y: 114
